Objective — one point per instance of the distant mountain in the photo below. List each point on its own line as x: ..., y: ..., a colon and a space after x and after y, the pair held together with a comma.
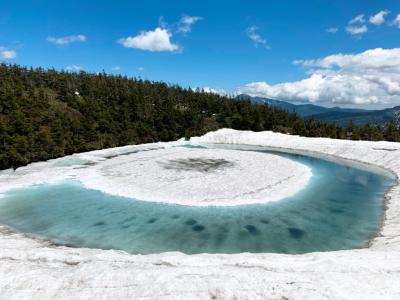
x: 361, y: 118
x: 275, y: 103
x: 337, y: 115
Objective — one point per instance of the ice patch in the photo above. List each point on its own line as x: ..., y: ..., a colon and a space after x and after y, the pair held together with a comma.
x: 165, y: 173
x: 199, y: 177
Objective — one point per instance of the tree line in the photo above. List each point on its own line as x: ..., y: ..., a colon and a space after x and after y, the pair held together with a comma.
x: 46, y: 114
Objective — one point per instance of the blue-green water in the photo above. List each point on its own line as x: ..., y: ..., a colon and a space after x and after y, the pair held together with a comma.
x: 341, y: 208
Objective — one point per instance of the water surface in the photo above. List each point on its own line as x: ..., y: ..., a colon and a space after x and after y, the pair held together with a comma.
x: 341, y: 208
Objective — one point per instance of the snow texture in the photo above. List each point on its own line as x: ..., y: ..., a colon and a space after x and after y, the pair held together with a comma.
x: 173, y: 175
x: 199, y: 177
x: 31, y: 269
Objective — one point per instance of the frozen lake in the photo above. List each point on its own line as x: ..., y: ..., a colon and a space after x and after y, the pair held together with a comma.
x: 341, y: 207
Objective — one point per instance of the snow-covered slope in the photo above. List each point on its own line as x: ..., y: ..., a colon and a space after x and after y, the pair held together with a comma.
x: 31, y: 269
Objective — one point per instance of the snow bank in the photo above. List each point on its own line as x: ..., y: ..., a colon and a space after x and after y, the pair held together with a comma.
x: 31, y: 269
x: 199, y: 177
x: 174, y: 175
x: 68, y: 167
x: 382, y: 154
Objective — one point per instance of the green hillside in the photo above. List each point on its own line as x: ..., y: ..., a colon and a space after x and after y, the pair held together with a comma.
x: 46, y: 114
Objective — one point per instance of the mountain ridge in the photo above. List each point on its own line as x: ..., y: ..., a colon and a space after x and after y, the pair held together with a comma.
x: 339, y: 116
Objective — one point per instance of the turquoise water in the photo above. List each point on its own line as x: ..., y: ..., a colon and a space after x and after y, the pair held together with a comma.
x: 341, y: 208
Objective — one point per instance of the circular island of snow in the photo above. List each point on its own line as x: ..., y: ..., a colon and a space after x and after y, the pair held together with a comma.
x: 198, y: 177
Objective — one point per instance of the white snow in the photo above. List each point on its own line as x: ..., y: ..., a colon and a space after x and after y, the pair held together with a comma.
x: 68, y: 167
x: 174, y: 175
x: 199, y: 177
x: 31, y: 269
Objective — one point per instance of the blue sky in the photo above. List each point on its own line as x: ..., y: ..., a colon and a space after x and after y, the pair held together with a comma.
x: 234, y: 46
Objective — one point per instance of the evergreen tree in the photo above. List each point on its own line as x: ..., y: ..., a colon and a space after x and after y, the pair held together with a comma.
x: 46, y: 114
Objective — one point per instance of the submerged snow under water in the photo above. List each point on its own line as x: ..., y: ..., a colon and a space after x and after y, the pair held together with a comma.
x: 341, y: 208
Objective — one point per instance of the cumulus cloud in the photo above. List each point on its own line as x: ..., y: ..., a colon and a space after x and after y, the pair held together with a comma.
x: 156, y: 40
x: 65, y: 40
x: 378, y: 18
x: 186, y: 22
x: 370, y: 77
x: 373, y: 59
x: 73, y: 68
x: 7, y: 53
x: 332, y: 30
x: 255, y: 37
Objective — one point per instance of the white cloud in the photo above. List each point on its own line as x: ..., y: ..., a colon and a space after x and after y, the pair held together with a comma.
x: 7, y: 53
x: 66, y: 39
x: 73, y: 68
x: 396, y: 21
x: 256, y: 38
x: 186, y: 22
x: 357, y: 19
x: 355, y: 30
x: 332, y: 30
x: 356, y: 25
x: 156, y: 40
x: 116, y: 68
x: 378, y: 18
x: 140, y: 69
x: 382, y: 59
x: 370, y: 77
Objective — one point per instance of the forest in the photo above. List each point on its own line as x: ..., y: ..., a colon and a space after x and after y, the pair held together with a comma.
x: 46, y: 114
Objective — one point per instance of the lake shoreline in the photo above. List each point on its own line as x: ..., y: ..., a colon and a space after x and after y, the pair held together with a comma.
x: 351, y: 162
